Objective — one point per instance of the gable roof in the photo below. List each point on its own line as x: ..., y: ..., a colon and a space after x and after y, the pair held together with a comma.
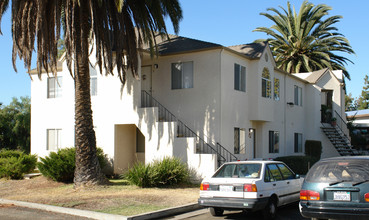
x: 179, y: 44
x: 252, y: 51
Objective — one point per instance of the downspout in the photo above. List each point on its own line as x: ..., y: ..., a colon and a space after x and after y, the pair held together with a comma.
x: 285, y: 115
x: 220, y: 97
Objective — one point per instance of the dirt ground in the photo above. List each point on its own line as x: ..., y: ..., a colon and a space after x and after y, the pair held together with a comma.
x: 114, y: 199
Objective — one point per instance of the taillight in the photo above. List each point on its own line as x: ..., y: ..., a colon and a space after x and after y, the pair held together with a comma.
x: 250, y: 188
x: 309, y: 195
x: 366, y: 197
x: 204, y: 186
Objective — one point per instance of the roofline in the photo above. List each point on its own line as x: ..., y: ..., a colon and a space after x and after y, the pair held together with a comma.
x: 291, y: 75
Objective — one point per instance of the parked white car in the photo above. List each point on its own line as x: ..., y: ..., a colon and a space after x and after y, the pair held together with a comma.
x: 250, y: 186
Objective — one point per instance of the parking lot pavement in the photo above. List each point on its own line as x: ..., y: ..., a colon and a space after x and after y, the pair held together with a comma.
x: 13, y: 212
x: 290, y: 212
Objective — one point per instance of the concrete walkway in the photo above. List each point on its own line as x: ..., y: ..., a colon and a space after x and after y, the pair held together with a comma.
x: 10, y: 207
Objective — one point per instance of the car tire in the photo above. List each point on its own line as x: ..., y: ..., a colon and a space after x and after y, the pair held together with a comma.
x: 216, y: 211
x: 270, y: 209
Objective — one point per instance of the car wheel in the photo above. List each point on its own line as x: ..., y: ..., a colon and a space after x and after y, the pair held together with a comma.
x: 270, y: 209
x: 216, y: 211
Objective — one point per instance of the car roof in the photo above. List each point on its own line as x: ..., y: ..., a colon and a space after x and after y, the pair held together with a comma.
x: 346, y: 158
x: 253, y: 161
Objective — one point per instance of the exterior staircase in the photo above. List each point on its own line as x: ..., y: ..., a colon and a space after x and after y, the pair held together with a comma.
x: 202, y: 147
x: 339, y: 140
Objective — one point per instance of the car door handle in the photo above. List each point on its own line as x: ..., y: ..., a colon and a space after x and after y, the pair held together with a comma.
x: 274, y: 184
x: 288, y: 182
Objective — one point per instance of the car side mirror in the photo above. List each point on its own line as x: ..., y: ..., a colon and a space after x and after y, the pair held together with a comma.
x: 297, y: 176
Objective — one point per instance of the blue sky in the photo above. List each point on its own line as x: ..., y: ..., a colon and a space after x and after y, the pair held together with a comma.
x: 224, y: 22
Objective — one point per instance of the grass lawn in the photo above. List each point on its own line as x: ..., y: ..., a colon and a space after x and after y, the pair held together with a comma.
x: 117, y: 198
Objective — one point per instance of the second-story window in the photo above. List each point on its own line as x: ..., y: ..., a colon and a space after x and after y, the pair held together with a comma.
x: 239, y: 77
x: 54, y: 87
x: 93, y: 83
x: 182, y: 75
x: 276, y: 89
x: 298, y: 96
x: 266, y: 84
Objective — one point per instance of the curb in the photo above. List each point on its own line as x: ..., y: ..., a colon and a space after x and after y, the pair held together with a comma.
x: 105, y: 216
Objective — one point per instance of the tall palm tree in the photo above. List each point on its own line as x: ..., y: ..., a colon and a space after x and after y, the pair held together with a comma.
x: 111, y: 24
x: 306, y: 41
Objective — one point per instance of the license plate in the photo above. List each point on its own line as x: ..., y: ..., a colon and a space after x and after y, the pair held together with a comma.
x: 225, y: 188
x: 341, y: 196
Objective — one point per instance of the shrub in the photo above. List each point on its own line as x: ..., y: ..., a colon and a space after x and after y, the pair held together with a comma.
x: 169, y: 171
x: 14, y: 164
x: 60, y: 165
x: 299, y: 164
x: 313, y: 148
x: 166, y: 172
x: 140, y: 175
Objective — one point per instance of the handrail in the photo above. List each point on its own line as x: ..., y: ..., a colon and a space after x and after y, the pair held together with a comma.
x: 183, y: 130
x: 340, y: 122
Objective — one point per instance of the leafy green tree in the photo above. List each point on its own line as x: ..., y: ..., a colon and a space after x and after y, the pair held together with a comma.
x: 111, y: 25
x: 350, y: 103
x: 15, y: 125
x: 306, y: 41
x: 363, y: 100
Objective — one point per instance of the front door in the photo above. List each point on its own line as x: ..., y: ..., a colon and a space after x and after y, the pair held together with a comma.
x: 146, y: 79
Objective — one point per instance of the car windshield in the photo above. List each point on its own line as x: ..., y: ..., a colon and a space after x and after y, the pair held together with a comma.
x: 333, y: 172
x: 249, y: 170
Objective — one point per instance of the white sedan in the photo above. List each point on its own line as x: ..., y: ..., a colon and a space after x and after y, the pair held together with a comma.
x: 250, y: 186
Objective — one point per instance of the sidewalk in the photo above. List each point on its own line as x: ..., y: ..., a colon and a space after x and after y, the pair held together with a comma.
x: 98, y: 215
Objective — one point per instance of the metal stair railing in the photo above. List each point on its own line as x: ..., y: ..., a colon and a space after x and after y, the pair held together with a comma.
x: 184, y: 131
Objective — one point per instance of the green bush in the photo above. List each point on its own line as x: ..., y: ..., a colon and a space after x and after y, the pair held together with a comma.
x: 166, y: 172
x: 299, y: 164
x: 14, y: 164
x: 169, y: 171
x: 313, y: 148
x: 140, y: 175
x: 60, y: 165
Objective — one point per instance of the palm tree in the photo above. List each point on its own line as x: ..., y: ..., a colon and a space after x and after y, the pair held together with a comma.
x: 306, y: 41
x: 111, y: 24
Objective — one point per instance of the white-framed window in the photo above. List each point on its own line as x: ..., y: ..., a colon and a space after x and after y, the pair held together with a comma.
x: 93, y: 82
x: 298, y: 143
x: 182, y: 75
x: 239, y: 141
x: 266, y: 84
x: 273, y: 141
x: 54, y: 87
x: 276, y: 89
x: 239, y: 77
x: 53, y: 139
x: 298, y: 95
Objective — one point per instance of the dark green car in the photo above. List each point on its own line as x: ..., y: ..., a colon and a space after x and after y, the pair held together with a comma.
x: 337, y: 188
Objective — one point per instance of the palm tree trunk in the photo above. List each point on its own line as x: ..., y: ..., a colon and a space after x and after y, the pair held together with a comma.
x: 88, y: 171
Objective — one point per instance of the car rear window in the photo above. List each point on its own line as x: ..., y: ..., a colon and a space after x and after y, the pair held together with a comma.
x: 250, y: 170
x: 342, y: 170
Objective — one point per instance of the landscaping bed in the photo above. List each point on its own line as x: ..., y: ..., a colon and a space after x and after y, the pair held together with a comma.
x: 117, y: 198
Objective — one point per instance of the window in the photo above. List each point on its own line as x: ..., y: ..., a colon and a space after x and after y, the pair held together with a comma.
x: 273, y: 141
x: 274, y: 171
x: 239, y: 141
x: 239, y: 77
x: 276, y: 89
x: 286, y: 173
x: 182, y: 75
x: 266, y: 85
x: 54, y: 87
x: 298, y: 143
x: 298, y: 96
x: 53, y: 139
x: 93, y: 82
